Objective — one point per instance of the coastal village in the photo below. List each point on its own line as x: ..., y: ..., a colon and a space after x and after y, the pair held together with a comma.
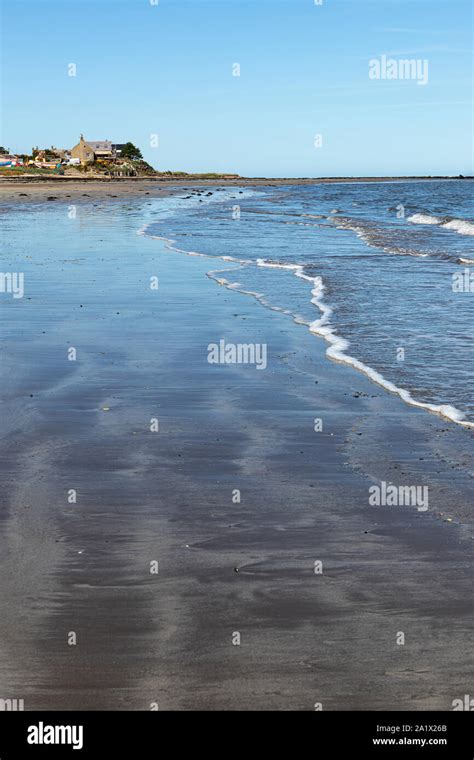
x: 88, y: 158
x: 93, y: 156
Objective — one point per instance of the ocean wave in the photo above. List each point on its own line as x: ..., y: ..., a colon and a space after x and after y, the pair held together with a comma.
x: 321, y: 326
x: 275, y: 264
x: 462, y: 226
x: 374, y: 237
x: 339, y: 345
x: 459, y: 225
x: 424, y: 219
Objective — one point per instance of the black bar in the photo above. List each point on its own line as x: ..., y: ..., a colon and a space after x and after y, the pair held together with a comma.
x: 238, y: 734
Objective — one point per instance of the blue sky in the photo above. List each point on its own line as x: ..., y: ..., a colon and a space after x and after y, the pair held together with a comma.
x: 167, y: 70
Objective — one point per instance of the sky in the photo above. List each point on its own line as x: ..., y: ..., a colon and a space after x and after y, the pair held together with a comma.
x: 164, y: 76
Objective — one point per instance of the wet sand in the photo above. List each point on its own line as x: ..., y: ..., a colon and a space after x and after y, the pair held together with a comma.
x: 167, y: 496
x: 67, y: 189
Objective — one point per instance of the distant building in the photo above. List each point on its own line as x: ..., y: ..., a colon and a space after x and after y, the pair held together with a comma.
x: 7, y: 159
x: 88, y: 151
x: 59, y: 152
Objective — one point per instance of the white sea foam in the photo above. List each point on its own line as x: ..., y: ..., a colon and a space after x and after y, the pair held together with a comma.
x: 462, y: 226
x: 275, y: 264
x: 459, y: 225
x: 339, y: 345
x: 321, y: 327
x: 424, y: 219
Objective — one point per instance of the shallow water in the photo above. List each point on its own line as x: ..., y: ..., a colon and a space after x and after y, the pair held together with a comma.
x: 383, y: 272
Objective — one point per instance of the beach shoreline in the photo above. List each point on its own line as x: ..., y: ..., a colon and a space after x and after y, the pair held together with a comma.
x: 317, y: 582
x: 41, y: 189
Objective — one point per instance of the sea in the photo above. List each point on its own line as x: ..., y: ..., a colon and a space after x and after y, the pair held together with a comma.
x: 383, y: 272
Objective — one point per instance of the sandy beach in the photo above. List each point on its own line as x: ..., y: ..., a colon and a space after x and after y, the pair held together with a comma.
x: 317, y: 583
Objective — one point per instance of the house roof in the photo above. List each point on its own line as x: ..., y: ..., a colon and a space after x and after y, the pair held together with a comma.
x: 99, y: 145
